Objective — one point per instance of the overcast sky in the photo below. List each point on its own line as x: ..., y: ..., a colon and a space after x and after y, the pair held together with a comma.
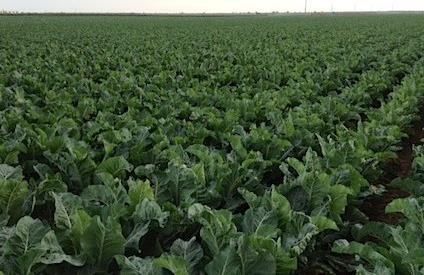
x: 206, y: 5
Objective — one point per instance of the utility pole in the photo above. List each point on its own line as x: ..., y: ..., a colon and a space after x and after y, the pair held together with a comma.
x: 306, y: 5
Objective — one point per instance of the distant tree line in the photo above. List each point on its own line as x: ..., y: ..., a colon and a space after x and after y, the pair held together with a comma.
x: 9, y: 12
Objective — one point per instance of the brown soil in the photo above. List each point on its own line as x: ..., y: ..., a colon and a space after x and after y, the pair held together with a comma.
x: 374, y: 206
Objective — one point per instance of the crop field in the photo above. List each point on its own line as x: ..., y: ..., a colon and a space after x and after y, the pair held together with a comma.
x: 251, y: 145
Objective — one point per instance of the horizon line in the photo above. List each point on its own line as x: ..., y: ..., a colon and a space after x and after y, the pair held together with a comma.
x: 207, y: 13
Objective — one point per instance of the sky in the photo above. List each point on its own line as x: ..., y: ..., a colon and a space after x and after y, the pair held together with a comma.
x: 209, y: 6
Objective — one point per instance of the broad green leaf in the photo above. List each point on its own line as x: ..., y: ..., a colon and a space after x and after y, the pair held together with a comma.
x: 115, y: 166
x: 138, y: 191
x: 297, y: 165
x: 22, y: 250
x: 32, y: 243
x: 250, y: 197
x: 54, y: 253
x: 66, y: 204
x: 237, y: 145
x: 339, y: 195
x: 80, y: 220
x: 136, y: 234
x: 199, y: 170
x: 407, y: 244
x: 261, y: 222
x: 28, y: 234
x: 285, y: 264
x: 190, y: 251
x: 225, y: 262
x: 101, y: 242
x: 324, y: 223
x: 176, y: 264
x: 299, y: 233
x: 13, y: 197
x: 136, y: 266
x: 412, y: 208
x: 78, y: 149
x: 5, y: 233
x: 255, y: 260
x: 350, y: 177
x: 109, y: 199
x: 144, y: 170
x: 147, y: 213
x: 180, y: 182
x: 281, y: 205
x: 218, y: 227
x: 8, y: 172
